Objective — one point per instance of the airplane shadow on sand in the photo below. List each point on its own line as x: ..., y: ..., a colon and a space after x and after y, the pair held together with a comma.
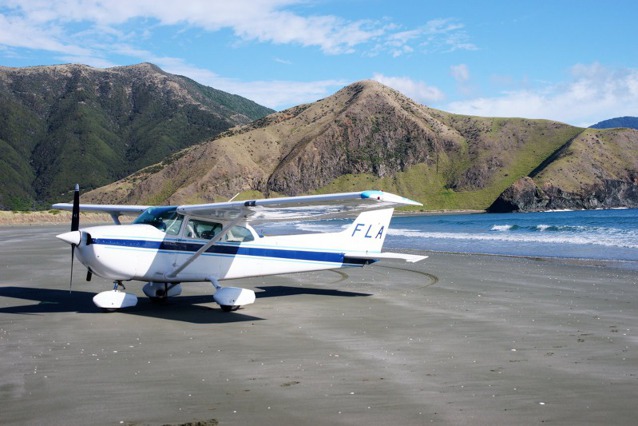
x: 280, y: 291
x: 199, y: 309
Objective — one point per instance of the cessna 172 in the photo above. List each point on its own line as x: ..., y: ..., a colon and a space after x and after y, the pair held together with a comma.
x: 169, y: 245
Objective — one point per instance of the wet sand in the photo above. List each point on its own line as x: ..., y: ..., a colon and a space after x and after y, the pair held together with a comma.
x: 455, y: 339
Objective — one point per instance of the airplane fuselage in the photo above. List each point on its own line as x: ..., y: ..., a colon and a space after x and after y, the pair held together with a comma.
x: 152, y: 252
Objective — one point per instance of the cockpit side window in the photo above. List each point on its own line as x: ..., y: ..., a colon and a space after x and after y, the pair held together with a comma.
x: 166, y: 219
x: 238, y: 234
x: 207, y: 230
x: 202, y: 230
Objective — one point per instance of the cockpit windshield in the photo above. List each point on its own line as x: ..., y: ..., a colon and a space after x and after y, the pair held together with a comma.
x: 166, y: 219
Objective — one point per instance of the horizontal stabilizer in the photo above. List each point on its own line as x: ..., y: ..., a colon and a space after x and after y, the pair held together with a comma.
x: 412, y: 258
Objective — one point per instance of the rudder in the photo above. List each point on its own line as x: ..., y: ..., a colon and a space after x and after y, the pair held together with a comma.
x: 367, y: 233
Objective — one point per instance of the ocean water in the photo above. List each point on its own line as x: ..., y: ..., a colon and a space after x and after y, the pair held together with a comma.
x: 590, y: 234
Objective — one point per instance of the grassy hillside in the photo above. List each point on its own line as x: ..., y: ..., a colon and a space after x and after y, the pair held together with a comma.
x: 370, y: 136
x: 65, y: 124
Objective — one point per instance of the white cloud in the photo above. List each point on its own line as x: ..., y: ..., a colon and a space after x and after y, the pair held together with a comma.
x: 461, y: 73
x: 437, y: 35
x: 417, y: 90
x: 282, y: 94
x: 593, y: 94
x: 20, y: 33
x: 277, y: 95
x: 446, y: 35
x: 262, y: 21
x: 282, y: 61
x: 93, y: 32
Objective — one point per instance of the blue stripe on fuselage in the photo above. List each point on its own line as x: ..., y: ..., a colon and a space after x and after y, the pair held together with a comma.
x: 182, y: 247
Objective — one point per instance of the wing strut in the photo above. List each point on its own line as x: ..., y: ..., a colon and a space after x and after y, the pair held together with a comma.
x: 205, y: 247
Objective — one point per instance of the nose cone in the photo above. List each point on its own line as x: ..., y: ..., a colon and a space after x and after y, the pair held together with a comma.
x: 72, y: 237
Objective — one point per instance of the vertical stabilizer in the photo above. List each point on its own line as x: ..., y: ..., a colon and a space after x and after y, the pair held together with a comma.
x: 367, y: 233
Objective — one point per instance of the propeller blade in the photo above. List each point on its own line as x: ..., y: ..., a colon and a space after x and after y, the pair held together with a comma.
x: 72, y: 259
x: 75, y: 214
x: 75, y: 225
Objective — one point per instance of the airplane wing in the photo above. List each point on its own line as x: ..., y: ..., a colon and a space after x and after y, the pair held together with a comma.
x: 312, y: 207
x: 115, y: 210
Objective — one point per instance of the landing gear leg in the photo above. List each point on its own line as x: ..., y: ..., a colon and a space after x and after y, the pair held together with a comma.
x: 215, y: 282
x: 117, y: 284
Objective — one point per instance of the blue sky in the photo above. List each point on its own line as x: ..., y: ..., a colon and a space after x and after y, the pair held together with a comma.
x: 566, y: 60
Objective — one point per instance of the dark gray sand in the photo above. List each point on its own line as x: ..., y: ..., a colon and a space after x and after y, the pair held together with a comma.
x: 455, y: 339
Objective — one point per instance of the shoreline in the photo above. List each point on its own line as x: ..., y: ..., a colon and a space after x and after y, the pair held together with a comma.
x: 577, y: 261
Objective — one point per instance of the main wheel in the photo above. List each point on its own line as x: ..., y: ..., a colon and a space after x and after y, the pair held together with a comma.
x: 227, y: 308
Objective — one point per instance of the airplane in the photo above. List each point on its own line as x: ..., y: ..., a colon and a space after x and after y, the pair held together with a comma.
x: 166, y: 246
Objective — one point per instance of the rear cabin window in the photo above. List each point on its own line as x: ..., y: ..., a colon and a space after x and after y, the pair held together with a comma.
x: 199, y: 229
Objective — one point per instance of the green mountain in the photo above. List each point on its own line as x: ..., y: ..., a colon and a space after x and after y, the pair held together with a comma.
x: 628, y: 122
x: 370, y: 136
x: 71, y: 123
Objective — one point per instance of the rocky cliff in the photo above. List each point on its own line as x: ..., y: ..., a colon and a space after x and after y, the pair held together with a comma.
x: 597, y: 169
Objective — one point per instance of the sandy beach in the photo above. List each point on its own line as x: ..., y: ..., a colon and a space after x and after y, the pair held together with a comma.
x: 456, y: 339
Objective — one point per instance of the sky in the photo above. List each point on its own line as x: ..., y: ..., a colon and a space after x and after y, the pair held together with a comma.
x: 574, y: 61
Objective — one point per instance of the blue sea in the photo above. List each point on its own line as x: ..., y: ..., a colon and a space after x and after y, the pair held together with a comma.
x: 588, y: 234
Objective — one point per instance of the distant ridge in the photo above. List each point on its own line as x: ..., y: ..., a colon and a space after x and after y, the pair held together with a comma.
x: 628, y: 122
x: 72, y: 123
x: 368, y: 135
x: 140, y: 135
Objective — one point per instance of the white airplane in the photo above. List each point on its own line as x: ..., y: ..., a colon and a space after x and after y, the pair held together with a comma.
x: 169, y: 245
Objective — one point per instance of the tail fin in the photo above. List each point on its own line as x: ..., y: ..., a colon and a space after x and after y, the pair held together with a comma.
x: 364, y: 239
x: 367, y: 233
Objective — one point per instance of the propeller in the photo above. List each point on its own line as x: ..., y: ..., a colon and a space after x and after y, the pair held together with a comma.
x: 75, y: 225
x: 75, y: 214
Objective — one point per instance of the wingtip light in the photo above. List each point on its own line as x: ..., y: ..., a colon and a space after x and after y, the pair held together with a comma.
x: 389, y: 197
